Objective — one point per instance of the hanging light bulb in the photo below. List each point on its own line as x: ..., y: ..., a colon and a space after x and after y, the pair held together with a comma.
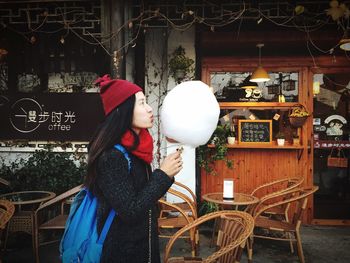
x: 259, y: 74
x: 316, y: 87
x: 62, y: 40
x: 344, y: 43
x: 32, y: 39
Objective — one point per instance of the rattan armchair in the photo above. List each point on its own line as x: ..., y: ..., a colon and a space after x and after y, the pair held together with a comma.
x: 5, y: 186
x: 7, y: 209
x: 273, y: 189
x: 187, y: 191
x: 174, y: 216
x: 276, y: 228
x: 234, y: 229
x: 52, y: 215
x: 277, y: 186
x: 4, y: 182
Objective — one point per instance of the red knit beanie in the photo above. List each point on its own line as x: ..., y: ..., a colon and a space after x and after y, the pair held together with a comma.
x: 114, y: 92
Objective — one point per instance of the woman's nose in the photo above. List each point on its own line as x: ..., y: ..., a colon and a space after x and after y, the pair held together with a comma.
x: 149, y: 109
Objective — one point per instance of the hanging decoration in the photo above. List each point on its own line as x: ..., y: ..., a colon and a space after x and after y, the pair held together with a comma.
x: 69, y: 18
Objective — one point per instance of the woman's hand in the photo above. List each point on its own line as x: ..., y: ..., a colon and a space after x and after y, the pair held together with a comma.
x: 172, y: 164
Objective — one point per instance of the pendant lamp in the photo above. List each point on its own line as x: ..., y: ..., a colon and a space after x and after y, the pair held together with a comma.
x: 247, y: 84
x: 259, y: 74
x: 344, y: 43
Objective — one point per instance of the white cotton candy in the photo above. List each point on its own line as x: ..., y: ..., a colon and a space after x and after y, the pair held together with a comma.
x: 190, y: 113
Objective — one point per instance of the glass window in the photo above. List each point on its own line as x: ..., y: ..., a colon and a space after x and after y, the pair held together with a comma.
x: 331, y: 145
x: 236, y: 87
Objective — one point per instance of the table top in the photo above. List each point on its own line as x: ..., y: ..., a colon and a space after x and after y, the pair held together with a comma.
x: 239, y: 199
x: 28, y: 197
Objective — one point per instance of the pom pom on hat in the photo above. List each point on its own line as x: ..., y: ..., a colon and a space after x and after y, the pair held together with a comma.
x: 114, y: 92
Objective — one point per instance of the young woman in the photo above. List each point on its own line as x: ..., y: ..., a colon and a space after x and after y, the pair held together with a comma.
x: 133, y: 195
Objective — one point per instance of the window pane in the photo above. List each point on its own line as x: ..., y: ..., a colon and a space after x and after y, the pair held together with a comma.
x: 236, y: 87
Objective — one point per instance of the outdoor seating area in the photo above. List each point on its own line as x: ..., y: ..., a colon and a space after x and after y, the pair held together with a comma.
x: 275, y: 215
x: 279, y: 207
x: 321, y: 244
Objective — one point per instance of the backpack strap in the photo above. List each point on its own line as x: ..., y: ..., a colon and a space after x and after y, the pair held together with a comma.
x: 112, y: 213
x: 106, y: 227
x: 121, y: 148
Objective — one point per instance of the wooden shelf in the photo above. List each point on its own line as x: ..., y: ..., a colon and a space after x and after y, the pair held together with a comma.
x: 258, y: 105
x: 273, y: 146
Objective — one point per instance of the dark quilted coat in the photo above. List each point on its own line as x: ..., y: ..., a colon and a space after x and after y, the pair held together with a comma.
x: 132, y: 196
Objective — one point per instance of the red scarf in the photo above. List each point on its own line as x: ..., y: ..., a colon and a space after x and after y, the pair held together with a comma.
x: 144, y: 150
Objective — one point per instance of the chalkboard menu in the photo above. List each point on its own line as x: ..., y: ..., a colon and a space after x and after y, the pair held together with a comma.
x: 254, y: 131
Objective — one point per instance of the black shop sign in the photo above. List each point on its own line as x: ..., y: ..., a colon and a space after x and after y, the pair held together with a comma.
x: 50, y: 116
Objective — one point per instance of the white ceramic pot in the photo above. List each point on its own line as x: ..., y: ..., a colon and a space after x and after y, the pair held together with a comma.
x: 231, y: 140
x: 280, y: 142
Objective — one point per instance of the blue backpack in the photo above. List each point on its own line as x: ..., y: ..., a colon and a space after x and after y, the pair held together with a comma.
x: 80, y: 241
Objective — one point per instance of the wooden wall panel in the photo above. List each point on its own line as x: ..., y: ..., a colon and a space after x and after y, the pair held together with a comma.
x: 251, y: 168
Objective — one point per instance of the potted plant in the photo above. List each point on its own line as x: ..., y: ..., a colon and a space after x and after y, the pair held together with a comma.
x: 296, y: 139
x: 298, y: 116
x: 231, y: 136
x: 206, y: 156
x: 179, y: 64
x: 280, y: 138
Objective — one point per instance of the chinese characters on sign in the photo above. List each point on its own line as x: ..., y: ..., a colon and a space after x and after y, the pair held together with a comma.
x: 51, y: 117
x: 27, y: 115
x: 332, y: 144
x: 255, y: 131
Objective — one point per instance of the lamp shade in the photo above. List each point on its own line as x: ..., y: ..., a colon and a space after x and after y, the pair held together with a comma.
x: 260, y: 75
x: 344, y: 44
x: 247, y: 84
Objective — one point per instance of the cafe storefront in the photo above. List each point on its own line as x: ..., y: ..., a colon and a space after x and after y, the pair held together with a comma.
x: 47, y: 69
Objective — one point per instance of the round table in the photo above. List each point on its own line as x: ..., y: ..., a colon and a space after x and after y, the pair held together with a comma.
x: 28, y: 197
x: 26, y: 202
x: 25, y: 198
x: 240, y: 199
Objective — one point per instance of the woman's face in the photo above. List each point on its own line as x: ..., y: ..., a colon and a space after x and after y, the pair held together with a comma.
x: 143, y: 113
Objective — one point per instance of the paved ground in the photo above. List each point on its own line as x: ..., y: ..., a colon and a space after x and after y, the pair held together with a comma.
x: 321, y: 245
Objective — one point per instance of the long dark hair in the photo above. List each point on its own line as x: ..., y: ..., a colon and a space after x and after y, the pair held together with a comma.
x: 108, y: 134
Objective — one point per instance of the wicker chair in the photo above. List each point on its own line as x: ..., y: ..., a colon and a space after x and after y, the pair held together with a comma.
x: 187, y: 191
x: 277, y: 186
x: 5, y: 186
x: 176, y: 216
x: 273, y: 189
x: 52, y: 215
x: 275, y: 228
x: 7, y: 209
x: 234, y: 229
x: 4, y: 182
